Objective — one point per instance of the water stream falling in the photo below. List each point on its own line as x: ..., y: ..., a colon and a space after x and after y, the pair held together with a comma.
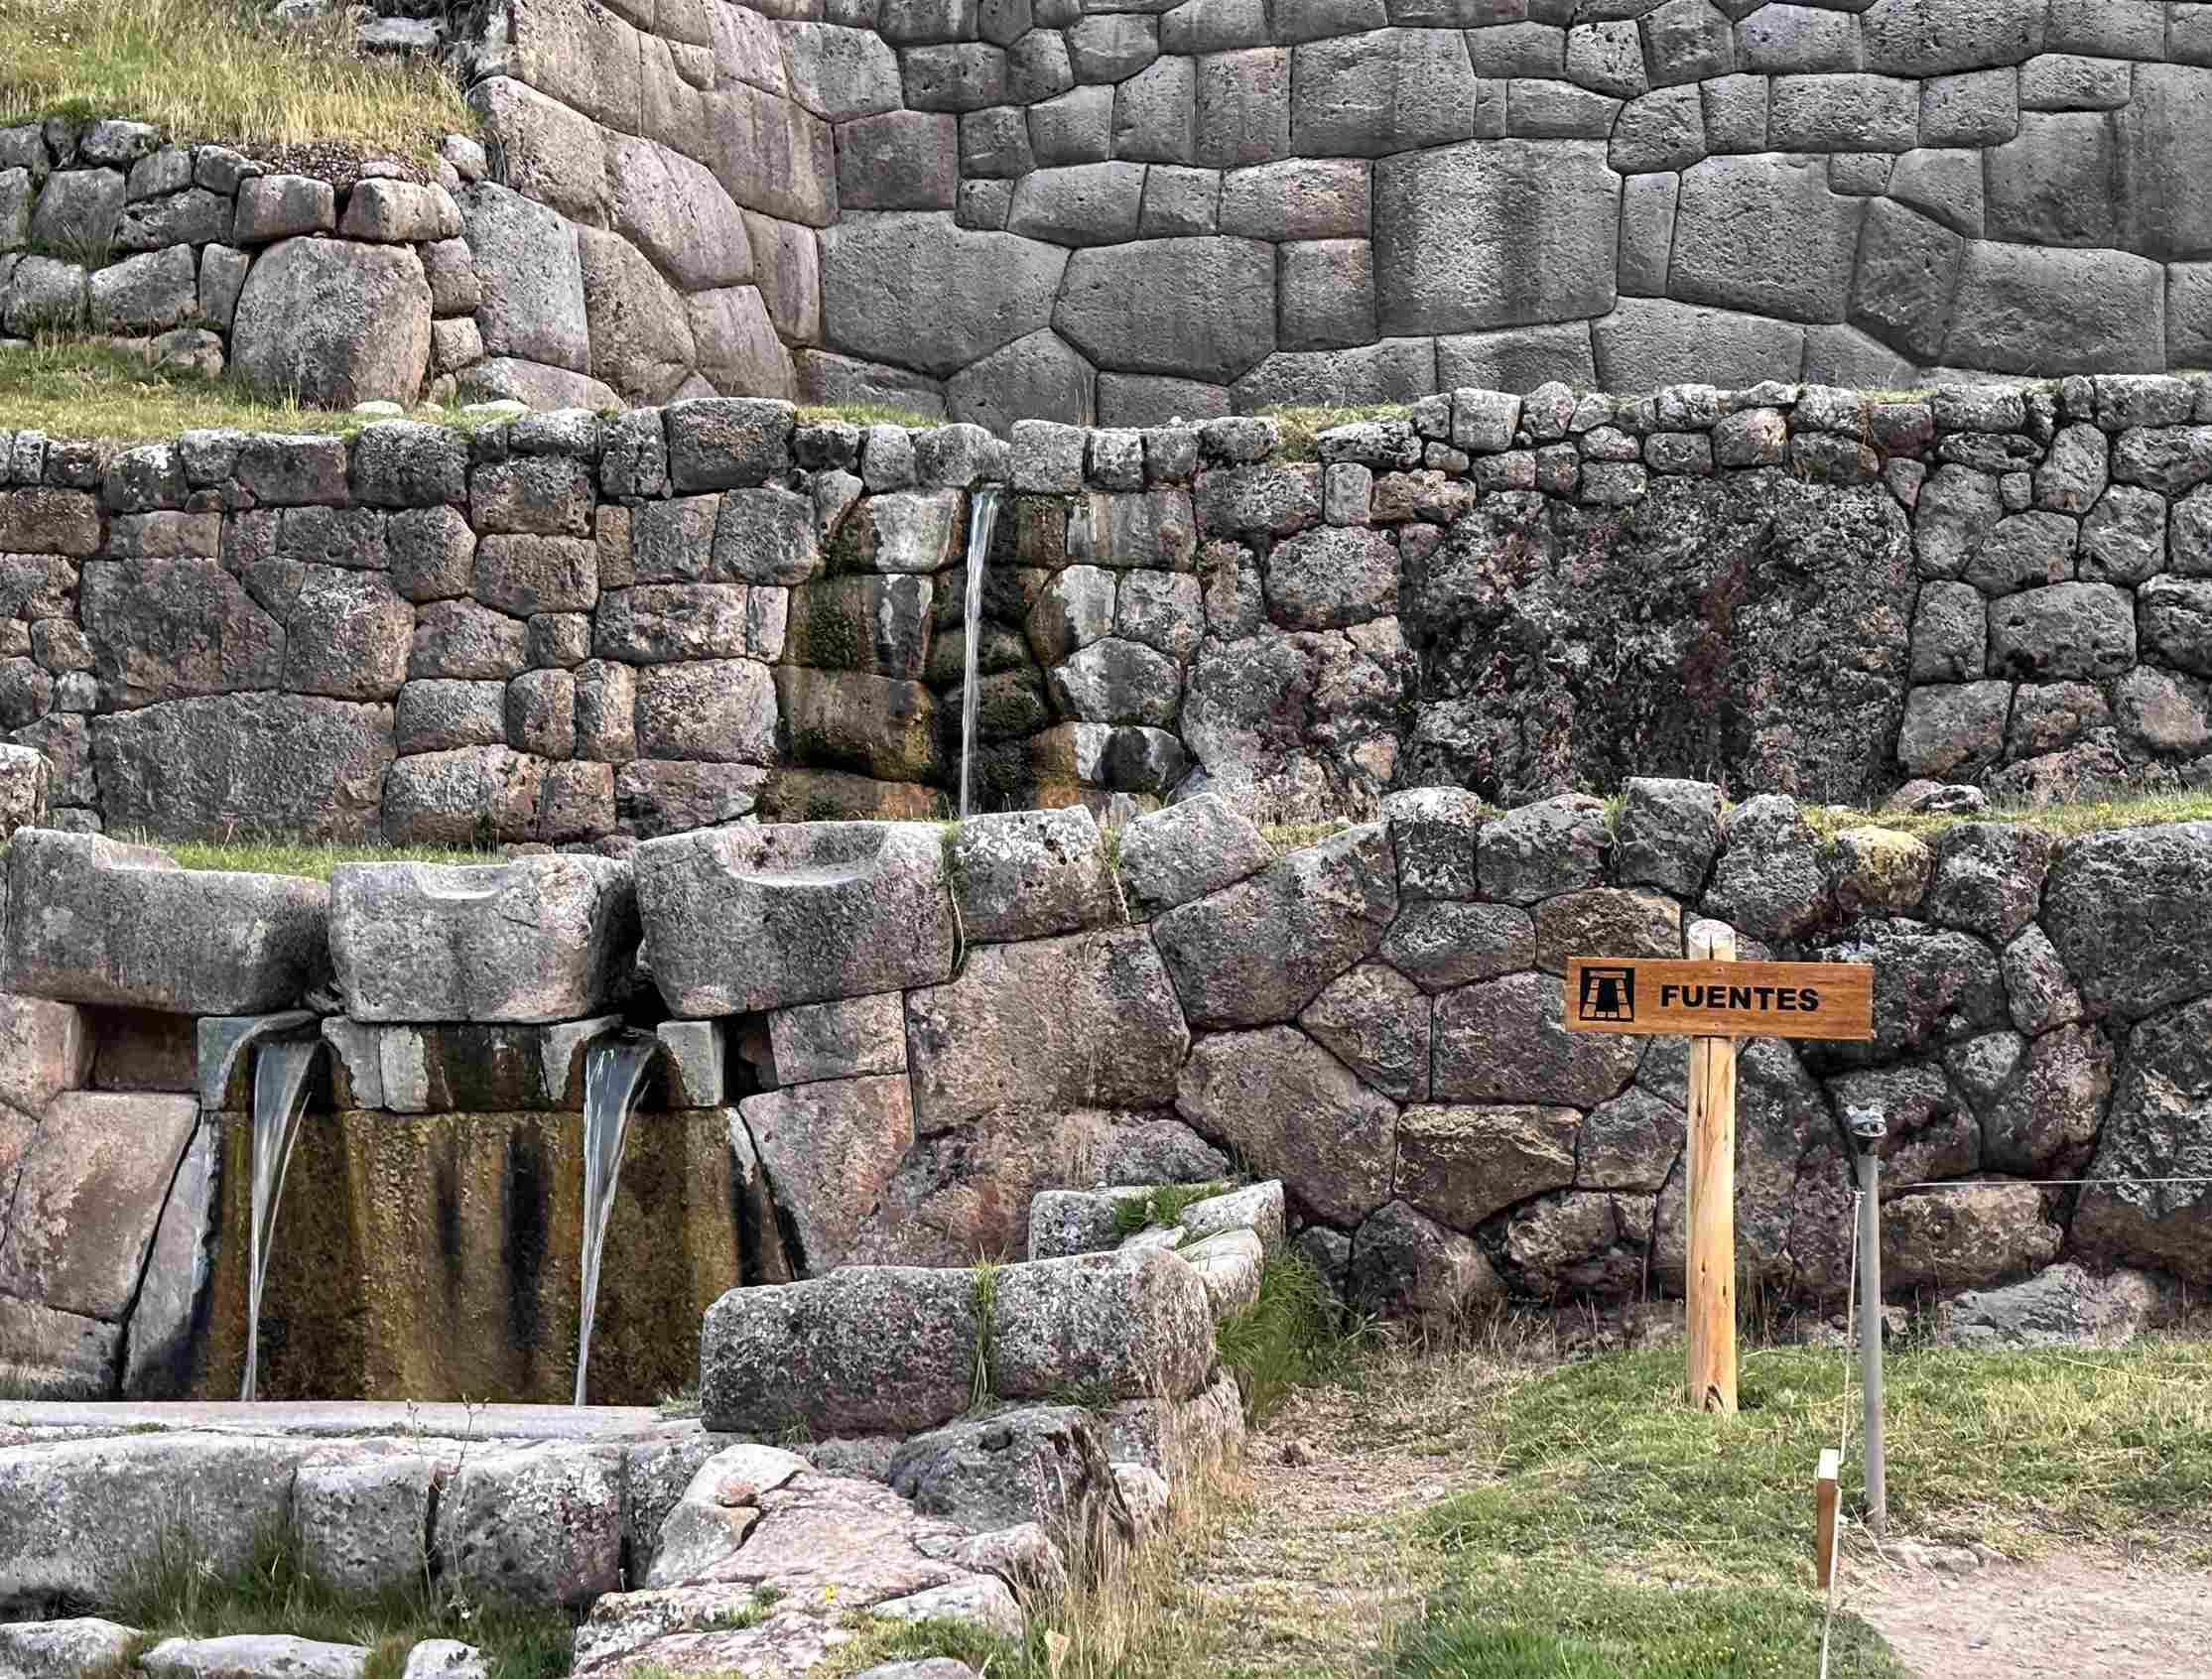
x: 983, y: 521
x: 613, y: 1073
x: 280, y: 1102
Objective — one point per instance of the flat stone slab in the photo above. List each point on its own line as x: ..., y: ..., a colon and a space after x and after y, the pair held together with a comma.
x: 340, y: 1419
x: 94, y: 921
x: 254, y: 1656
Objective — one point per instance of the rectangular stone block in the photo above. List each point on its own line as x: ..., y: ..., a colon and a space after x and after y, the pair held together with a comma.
x: 90, y: 920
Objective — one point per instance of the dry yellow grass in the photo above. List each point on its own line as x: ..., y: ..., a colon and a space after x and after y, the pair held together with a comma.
x: 220, y: 71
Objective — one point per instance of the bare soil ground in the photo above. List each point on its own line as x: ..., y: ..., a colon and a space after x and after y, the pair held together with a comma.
x: 2071, y: 1615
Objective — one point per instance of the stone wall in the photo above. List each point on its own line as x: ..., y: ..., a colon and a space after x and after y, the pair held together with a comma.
x: 879, y: 1044
x: 1130, y: 210
x: 352, y: 286
x: 564, y: 628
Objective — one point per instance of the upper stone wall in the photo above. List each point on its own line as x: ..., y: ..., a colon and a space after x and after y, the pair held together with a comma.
x: 1125, y: 210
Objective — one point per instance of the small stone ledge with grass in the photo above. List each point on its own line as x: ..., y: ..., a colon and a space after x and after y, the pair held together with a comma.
x: 576, y: 629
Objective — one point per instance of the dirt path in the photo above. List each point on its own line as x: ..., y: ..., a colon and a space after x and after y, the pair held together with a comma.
x: 2067, y: 1616
x: 1314, y: 1564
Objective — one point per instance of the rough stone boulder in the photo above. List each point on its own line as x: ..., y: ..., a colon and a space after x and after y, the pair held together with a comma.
x: 2160, y: 1126
x: 2131, y: 915
x: 867, y: 1349
x: 2063, y: 1305
x: 1971, y: 1237
x: 329, y: 322
x: 62, y: 1649
x: 1044, y: 1464
x: 1258, y: 1209
x: 717, y: 1509
x: 25, y: 781
x: 1260, y: 951
x: 821, y: 1550
x: 746, y: 918
x: 538, y: 938
x: 831, y: 1148
x: 1405, y: 1268
x: 1086, y: 1021
x: 80, y: 1520
x: 94, y: 921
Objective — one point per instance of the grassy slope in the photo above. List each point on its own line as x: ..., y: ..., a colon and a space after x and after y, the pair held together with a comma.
x: 220, y: 71
x: 1612, y: 1532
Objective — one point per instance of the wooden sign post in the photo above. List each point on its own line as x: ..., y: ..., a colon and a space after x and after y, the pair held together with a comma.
x: 1716, y: 999
x: 1711, y: 1277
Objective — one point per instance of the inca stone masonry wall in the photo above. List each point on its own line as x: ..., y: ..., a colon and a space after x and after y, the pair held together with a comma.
x: 879, y: 1044
x: 569, y: 627
x: 1130, y: 210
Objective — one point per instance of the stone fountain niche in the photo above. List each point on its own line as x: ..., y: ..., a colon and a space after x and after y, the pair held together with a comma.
x: 428, y: 1239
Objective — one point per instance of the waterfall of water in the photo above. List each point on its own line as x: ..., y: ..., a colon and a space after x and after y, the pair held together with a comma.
x: 280, y: 1102
x: 613, y: 1074
x: 981, y: 522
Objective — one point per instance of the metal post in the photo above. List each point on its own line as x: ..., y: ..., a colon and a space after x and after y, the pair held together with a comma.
x: 1869, y: 1132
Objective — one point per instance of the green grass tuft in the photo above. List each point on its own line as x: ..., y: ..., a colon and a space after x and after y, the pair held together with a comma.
x: 881, y: 1641
x: 985, y: 1280
x: 2089, y: 815
x: 1162, y: 1208
x: 178, y: 1594
x: 1288, y: 1337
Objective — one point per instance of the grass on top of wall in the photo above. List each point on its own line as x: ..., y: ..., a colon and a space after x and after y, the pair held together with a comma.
x: 87, y: 388
x: 2089, y: 815
x: 223, y: 71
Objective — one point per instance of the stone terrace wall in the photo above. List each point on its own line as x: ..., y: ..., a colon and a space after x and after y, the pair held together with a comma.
x: 569, y: 627
x: 888, y: 1041
x: 1131, y: 210
x: 327, y: 290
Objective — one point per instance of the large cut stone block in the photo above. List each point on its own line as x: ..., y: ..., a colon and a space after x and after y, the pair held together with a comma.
x: 1289, y: 1108
x: 538, y: 1527
x: 1261, y: 950
x: 537, y: 939
x: 1494, y: 233
x: 84, y: 1518
x: 94, y: 921
x: 830, y: 1148
x: 1137, y: 1324
x: 215, y: 766
x: 2131, y: 914
x: 1199, y: 308
x: 1088, y: 1021
x: 88, y: 1197
x: 1029, y: 874
x: 1764, y: 234
x: 911, y: 288
x: 867, y: 1349
x: 746, y: 918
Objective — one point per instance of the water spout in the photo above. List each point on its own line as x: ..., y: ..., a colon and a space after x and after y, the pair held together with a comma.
x: 280, y: 1102
x: 613, y: 1073
x: 982, y: 523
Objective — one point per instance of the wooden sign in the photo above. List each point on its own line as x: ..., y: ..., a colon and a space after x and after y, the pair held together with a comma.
x: 1711, y: 999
